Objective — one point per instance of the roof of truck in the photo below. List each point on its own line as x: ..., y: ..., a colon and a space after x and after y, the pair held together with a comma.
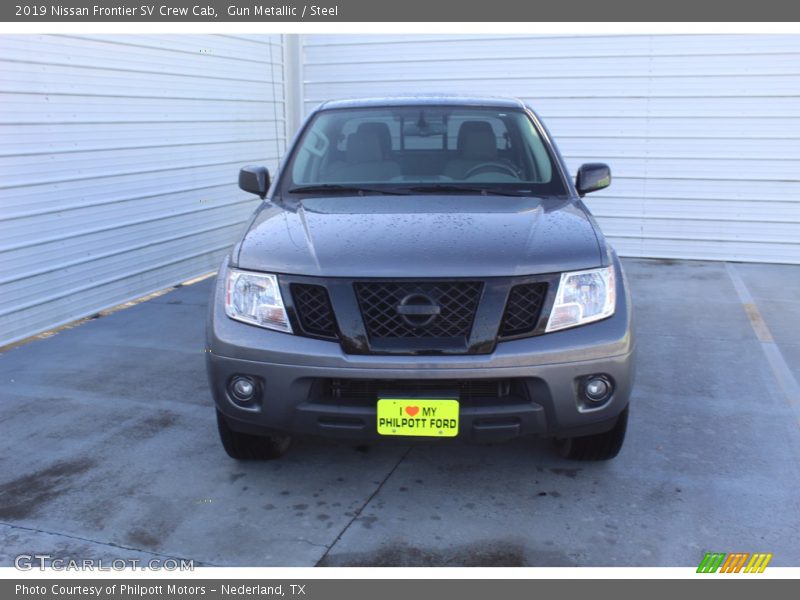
x: 424, y: 100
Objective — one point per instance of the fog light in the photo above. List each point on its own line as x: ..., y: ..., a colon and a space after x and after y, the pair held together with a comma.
x: 242, y: 388
x: 597, y: 388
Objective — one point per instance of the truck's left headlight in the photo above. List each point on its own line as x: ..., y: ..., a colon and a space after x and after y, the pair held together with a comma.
x: 255, y: 298
x: 583, y: 297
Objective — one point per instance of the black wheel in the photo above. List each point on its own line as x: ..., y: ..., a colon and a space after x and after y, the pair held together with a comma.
x: 602, y: 446
x: 243, y: 446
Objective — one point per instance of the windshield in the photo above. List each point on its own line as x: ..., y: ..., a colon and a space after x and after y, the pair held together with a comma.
x: 423, y: 148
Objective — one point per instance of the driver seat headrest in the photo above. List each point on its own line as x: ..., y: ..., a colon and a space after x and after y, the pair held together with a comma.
x: 477, y: 141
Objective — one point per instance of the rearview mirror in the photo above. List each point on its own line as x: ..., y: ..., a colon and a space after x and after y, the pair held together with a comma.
x: 424, y: 129
x: 592, y: 177
x: 254, y: 179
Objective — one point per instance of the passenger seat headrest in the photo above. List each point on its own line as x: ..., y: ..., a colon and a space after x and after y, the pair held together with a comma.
x: 363, y: 147
x: 381, y: 130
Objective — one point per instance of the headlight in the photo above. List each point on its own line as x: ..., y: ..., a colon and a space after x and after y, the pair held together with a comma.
x: 255, y: 298
x: 583, y: 297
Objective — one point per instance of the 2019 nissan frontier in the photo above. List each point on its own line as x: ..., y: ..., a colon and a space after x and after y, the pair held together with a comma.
x: 422, y: 268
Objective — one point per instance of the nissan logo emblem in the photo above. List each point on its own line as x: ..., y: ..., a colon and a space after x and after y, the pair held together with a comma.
x: 418, y: 310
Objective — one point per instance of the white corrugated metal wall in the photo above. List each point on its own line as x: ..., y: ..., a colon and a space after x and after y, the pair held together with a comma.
x: 702, y: 132
x: 118, y: 164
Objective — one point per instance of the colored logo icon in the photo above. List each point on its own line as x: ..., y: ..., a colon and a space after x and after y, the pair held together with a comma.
x: 736, y: 562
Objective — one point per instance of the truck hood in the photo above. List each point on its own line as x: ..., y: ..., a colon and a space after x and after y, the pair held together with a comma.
x: 420, y: 236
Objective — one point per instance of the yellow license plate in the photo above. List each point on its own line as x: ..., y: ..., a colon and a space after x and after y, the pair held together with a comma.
x: 416, y: 416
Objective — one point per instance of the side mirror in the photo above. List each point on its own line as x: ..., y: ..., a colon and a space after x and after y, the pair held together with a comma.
x: 254, y: 179
x: 592, y: 177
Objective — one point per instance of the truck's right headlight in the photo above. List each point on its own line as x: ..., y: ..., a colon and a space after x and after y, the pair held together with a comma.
x: 583, y: 297
x: 255, y: 298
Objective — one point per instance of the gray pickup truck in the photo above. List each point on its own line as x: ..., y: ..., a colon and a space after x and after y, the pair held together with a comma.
x: 422, y: 268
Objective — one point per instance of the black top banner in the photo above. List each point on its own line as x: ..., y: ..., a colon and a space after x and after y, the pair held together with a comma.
x: 403, y: 11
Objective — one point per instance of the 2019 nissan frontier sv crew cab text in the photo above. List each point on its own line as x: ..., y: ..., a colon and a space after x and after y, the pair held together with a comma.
x: 422, y: 268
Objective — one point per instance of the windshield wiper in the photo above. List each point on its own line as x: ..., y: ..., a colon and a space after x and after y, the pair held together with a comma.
x: 335, y: 188
x: 454, y: 187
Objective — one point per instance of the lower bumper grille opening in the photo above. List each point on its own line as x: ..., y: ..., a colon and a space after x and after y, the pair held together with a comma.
x: 470, y: 392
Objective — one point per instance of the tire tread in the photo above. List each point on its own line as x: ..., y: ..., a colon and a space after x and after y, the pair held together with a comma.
x: 601, y: 446
x: 244, y: 446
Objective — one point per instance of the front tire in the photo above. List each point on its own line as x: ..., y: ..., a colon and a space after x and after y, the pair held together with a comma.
x: 244, y: 446
x: 601, y: 446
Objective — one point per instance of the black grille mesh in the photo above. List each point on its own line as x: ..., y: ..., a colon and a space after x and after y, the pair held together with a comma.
x: 457, y: 300
x: 522, y: 309
x: 369, y: 390
x: 314, y: 310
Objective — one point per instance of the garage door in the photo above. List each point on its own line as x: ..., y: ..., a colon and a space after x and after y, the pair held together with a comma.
x: 702, y: 132
x: 118, y: 163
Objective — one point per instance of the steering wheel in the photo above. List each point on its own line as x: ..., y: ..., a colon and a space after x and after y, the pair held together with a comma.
x: 491, y: 166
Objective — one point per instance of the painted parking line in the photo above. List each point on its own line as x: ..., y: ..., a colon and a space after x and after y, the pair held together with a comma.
x: 783, y: 374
